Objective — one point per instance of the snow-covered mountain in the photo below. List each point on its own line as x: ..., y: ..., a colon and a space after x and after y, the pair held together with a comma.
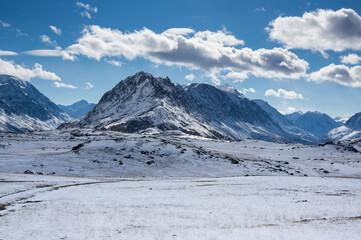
x: 23, y: 108
x: 285, y: 123
x: 316, y: 123
x: 77, y: 109
x: 351, y: 130
x: 354, y: 122
x: 143, y: 103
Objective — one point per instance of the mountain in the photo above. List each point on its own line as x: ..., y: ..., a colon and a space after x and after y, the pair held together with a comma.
x: 78, y: 109
x: 143, y: 103
x: 351, y: 130
x: 316, y: 123
x: 292, y: 117
x: 285, y: 123
x: 354, y: 122
x: 23, y: 108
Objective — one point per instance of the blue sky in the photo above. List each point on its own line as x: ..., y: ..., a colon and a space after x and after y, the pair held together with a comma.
x: 287, y: 53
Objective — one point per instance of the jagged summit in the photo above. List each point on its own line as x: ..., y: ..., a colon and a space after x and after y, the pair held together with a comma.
x: 24, y: 108
x: 144, y: 103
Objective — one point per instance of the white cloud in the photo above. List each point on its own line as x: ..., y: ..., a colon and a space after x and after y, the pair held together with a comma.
x: 7, y: 53
x: 51, y: 53
x: 210, y: 51
x: 4, y: 24
x: 114, y: 62
x: 63, y: 85
x: 87, y: 7
x: 88, y: 85
x: 86, y: 14
x: 10, y: 68
x: 20, y: 33
x: 55, y: 30
x: 281, y: 93
x: 341, y: 74
x: 320, y: 30
x: 46, y: 39
x: 237, y: 76
x: 178, y: 31
x: 351, y: 58
x: 261, y: 9
x: 245, y: 90
x: 190, y: 77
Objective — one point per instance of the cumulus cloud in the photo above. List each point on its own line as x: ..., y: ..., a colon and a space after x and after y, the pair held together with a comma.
x: 55, y: 30
x: 63, y: 85
x: 7, y: 53
x: 51, y: 53
x: 320, y: 30
x: 341, y: 74
x: 114, y: 62
x: 46, y: 39
x: 88, y: 86
x: 10, y: 68
x: 4, y: 24
x: 281, y: 93
x: 190, y: 77
x: 245, y: 90
x: 210, y: 51
x: 351, y: 59
x: 237, y: 76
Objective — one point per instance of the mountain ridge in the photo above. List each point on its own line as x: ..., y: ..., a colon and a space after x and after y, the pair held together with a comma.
x: 143, y: 103
x: 23, y: 108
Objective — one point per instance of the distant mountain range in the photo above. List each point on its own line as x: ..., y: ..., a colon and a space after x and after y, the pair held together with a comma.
x: 78, y: 109
x: 23, y: 108
x: 351, y: 130
x: 285, y: 123
x: 146, y: 104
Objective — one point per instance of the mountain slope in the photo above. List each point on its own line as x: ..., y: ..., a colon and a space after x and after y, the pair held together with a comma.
x: 316, y: 123
x: 77, y: 109
x: 354, y: 122
x: 143, y: 103
x: 284, y: 123
x: 292, y: 117
x: 24, y: 108
x: 351, y: 130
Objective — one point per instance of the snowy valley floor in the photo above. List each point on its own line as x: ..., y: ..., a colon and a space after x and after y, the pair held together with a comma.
x: 95, y: 185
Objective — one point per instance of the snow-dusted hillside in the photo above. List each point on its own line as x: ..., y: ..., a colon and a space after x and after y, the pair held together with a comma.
x: 143, y: 103
x: 114, y: 154
x: 24, y: 108
x: 161, y: 186
x: 78, y: 109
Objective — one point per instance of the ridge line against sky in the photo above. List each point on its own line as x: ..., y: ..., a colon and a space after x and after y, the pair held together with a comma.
x: 295, y: 57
